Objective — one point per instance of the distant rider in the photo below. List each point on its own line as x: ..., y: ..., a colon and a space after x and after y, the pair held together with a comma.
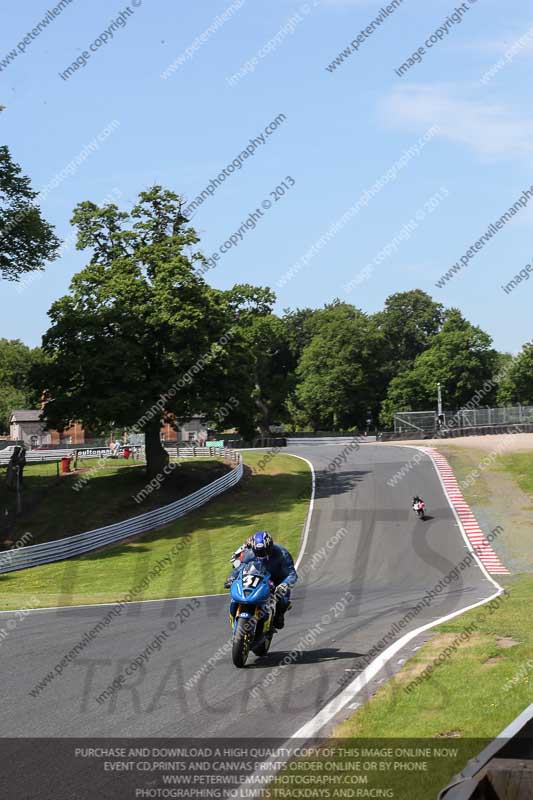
x: 277, y: 561
x: 240, y: 552
x: 418, y: 503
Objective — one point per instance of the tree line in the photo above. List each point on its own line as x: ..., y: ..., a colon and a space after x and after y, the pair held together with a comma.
x: 140, y: 316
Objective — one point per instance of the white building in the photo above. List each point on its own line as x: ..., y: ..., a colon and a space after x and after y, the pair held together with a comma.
x: 26, y: 426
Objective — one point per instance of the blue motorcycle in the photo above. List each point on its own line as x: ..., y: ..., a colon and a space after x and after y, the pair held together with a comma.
x: 252, y: 608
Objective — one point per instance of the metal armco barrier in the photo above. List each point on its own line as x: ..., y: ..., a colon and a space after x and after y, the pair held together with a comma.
x: 199, y: 452
x: 46, y: 553
x: 327, y: 440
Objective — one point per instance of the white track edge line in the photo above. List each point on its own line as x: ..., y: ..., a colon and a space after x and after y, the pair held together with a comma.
x: 324, y: 716
x: 309, y: 510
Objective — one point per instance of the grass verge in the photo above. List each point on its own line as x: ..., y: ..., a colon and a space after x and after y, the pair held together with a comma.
x: 520, y: 466
x: 471, y: 692
x: 98, y: 494
x: 275, y: 499
x: 465, y: 701
x: 499, y: 488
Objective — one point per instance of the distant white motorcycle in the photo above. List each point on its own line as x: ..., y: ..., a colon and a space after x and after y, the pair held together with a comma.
x: 420, y: 509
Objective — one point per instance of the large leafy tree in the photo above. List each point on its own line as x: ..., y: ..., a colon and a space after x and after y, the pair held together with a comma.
x: 17, y: 390
x: 339, y: 372
x: 267, y: 344
x: 27, y: 241
x: 408, y: 321
x: 141, y: 337
x: 298, y: 329
x: 517, y: 385
x: 459, y: 357
x: 16, y: 363
x: 10, y: 399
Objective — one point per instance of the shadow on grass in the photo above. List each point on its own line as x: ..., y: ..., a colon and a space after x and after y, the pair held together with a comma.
x: 238, y: 507
x: 53, y: 509
x: 112, y: 551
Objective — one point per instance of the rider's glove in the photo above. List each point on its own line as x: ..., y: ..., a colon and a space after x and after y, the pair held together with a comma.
x: 281, y: 590
x: 228, y: 582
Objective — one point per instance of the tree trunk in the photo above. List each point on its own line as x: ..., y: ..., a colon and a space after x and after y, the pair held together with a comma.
x: 264, y: 420
x: 156, y: 455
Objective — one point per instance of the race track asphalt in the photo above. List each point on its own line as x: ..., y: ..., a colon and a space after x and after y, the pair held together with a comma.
x: 384, y: 557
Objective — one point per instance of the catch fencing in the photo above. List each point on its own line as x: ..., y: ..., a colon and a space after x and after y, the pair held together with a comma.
x: 485, y: 417
x: 415, y: 421
x: 466, y: 421
x: 48, y: 552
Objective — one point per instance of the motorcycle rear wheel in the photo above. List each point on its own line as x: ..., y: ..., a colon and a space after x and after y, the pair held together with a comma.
x: 241, y: 643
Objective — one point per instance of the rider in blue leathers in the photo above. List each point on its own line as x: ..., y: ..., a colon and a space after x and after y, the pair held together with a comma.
x: 278, y: 562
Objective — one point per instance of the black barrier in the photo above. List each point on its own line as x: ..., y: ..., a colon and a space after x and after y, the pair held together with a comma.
x: 452, y: 433
x: 389, y: 436
x: 85, y: 769
x: 270, y: 441
x: 485, y: 430
x: 323, y: 434
x: 262, y: 441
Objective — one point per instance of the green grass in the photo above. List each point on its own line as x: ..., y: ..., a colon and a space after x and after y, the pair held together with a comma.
x: 468, y: 700
x: 275, y: 499
x: 481, y: 666
x: 520, y: 466
x: 53, y: 509
x: 464, y: 462
x: 501, y: 494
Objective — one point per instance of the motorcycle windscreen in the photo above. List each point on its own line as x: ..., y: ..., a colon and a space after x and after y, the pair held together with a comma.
x: 252, y: 584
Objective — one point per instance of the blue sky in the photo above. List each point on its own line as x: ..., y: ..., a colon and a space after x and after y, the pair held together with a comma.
x: 343, y: 130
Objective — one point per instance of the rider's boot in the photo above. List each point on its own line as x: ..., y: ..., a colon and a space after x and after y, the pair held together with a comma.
x: 279, y: 616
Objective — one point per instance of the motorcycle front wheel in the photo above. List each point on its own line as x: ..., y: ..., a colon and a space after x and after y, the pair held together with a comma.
x: 263, y: 648
x: 241, y: 642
